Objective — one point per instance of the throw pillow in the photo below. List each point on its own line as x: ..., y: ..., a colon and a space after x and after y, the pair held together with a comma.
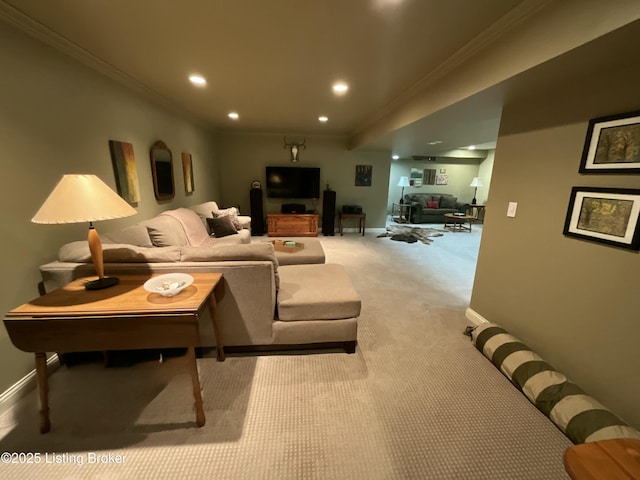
x: 432, y: 204
x: 448, y: 201
x: 422, y: 200
x: 232, y: 214
x: 221, y: 226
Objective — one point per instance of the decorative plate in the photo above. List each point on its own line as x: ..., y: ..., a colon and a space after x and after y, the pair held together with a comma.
x: 169, y: 284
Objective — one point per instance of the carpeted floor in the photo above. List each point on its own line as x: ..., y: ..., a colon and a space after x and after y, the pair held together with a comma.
x: 416, y: 401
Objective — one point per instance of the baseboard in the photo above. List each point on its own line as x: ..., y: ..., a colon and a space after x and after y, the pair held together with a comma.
x: 22, y: 387
x: 474, y: 317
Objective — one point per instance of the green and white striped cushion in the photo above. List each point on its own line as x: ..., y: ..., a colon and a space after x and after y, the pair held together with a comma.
x: 577, y: 414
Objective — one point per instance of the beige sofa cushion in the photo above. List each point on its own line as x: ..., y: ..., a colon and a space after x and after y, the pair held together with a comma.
x: 78, y: 252
x: 134, y: 235
x: 316, y: 292
x: 195, y: 232
x: 165, y: 231
x: 209, y: 209
x: 311, y: 253
x: 205, y: 210
x: 238, y: 252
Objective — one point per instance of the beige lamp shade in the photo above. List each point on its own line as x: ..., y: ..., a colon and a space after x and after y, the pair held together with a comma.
x: 82, y: 198
x: 404, y: 182
x: 476, y: 182
x: 85, y: 198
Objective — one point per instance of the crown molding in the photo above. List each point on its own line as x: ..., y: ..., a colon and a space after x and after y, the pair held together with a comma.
x: 34, y: 29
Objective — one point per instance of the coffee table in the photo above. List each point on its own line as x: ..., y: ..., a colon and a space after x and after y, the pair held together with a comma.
x: 122, y: 317
x: 457, y: 222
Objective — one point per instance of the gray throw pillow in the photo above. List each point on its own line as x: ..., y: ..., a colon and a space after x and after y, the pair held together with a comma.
x: 448, y: 201
x: 232, y: 213
x: 221, y: 226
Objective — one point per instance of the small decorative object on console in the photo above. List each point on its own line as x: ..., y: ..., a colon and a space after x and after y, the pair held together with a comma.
x: 288, y: 246
x: 168, y: 285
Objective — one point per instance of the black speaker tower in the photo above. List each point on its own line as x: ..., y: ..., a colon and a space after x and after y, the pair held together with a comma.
x: 257, y: 211
x: 329, y: 212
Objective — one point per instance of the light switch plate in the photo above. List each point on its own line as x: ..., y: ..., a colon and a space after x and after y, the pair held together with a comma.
x: 511, y: 209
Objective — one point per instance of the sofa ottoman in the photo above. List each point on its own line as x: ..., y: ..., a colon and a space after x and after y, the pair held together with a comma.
x: 317, y: 303
x: 311, y: 253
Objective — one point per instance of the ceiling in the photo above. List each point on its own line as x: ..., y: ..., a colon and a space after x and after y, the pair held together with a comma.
x: 273, y: 62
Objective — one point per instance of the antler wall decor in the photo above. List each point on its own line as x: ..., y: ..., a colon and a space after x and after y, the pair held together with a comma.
x: 294, y: 148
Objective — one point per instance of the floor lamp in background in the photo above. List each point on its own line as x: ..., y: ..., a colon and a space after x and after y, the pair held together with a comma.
x: 476, y: 182
x: 404, y: 182
x: 85, y: 198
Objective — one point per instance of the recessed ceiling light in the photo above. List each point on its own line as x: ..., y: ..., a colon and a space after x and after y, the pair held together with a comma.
x: 435, y: 142
x: 340, y: 88
x: 395, y: 157
x: 323, y: 119
x: 197, y: 80
x: 234, y: 115
x: 471, y: 147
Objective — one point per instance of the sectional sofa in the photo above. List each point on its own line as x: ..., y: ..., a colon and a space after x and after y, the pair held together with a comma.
x: 266, y: 304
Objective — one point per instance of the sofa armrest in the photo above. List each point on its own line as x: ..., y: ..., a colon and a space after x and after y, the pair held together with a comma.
x: 462, y: 206
x: 415, y: 216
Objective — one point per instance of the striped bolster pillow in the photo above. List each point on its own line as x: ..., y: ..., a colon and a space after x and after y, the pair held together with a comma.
x: 578, y: 415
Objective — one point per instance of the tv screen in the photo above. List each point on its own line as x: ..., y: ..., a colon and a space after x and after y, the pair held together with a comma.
x: 293, y: 182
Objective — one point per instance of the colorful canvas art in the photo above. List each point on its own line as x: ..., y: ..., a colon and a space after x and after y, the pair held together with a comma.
x: 124, y: 168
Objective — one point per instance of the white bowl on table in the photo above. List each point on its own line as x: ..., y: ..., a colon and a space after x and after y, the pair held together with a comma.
x: 169, y: 284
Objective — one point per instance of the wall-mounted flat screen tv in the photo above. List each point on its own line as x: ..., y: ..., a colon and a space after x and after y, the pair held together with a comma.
x: 293, y: 182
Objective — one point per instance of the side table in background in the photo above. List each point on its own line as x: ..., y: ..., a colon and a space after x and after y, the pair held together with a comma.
x: 477, y: 211
x: 401, y: 212
x: 362, y: 217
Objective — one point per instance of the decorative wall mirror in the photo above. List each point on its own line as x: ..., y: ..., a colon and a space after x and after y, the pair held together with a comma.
x: 162, y: 171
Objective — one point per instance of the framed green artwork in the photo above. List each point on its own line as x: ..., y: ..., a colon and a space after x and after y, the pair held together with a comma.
x: 605, y: 215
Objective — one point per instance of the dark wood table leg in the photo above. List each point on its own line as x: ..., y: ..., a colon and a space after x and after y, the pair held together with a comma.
x: 195, y: 380
x: 43, y: 390
x: 213, y: 306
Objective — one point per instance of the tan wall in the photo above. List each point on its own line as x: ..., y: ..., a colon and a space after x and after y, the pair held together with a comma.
x: 244, y: 157
x: 574, y: 302
x: 57, y: 117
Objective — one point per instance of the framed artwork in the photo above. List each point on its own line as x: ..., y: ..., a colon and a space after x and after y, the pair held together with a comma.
x: 612, y: 145
x: 124, y: 168
x: 442, y: 179
x: 429, y: 176
x: 162, y: 171
x: 363, y: 175
x: 605, y: 215
x: 187, y: 171
x: 415, y: 177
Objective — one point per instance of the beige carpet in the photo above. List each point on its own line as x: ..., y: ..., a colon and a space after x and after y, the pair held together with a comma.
x: 416, y: 400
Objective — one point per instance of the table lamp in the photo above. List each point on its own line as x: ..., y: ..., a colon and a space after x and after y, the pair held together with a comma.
x: 404, y: 182
x: 476, y: 182
x: 85, y: 198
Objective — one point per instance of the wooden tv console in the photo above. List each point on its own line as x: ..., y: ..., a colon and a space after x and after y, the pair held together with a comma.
x: 292, y: 224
